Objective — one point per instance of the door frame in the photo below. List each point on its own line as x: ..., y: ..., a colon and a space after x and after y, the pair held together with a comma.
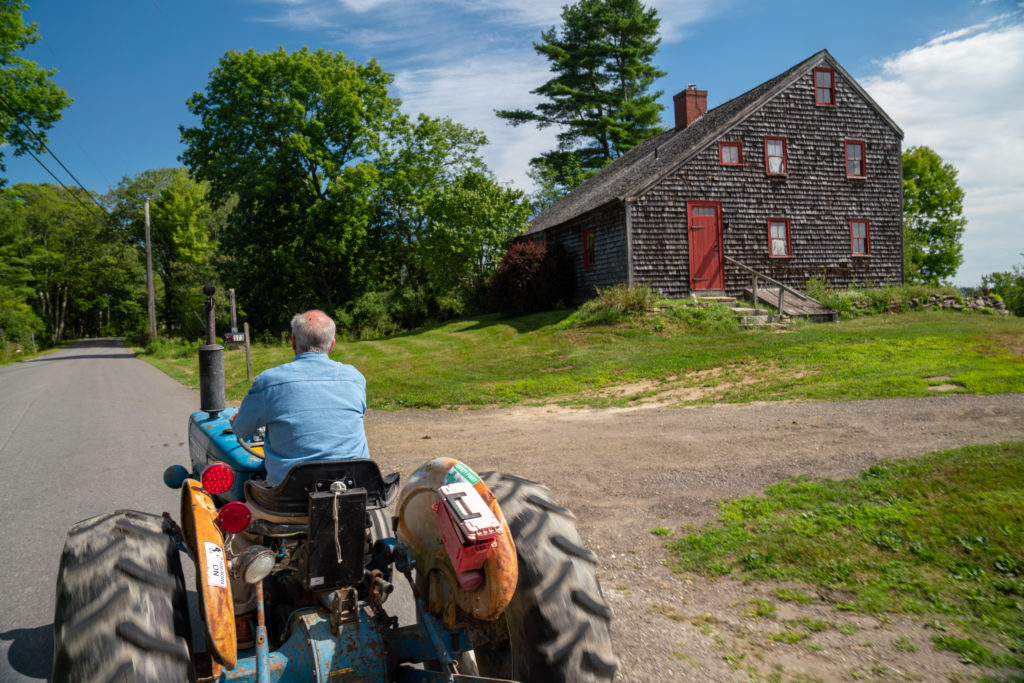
x: 719, y: 275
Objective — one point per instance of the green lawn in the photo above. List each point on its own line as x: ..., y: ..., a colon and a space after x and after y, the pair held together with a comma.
x: 489, y: 360
x: 940, y: 536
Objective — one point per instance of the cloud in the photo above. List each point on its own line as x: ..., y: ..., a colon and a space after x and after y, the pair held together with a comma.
x: 960, y: 94
x: 468, y: 90
x: 678, y: 15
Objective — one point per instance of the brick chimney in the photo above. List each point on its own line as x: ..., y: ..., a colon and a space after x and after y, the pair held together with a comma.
x: 690, y: 105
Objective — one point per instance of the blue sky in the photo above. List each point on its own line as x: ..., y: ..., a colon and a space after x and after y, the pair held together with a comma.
x: 951, y: 74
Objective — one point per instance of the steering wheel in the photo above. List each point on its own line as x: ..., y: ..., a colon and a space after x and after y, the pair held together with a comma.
x: 249, y: 449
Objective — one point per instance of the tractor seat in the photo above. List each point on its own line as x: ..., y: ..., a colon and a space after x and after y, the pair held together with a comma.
x: 290, y: 498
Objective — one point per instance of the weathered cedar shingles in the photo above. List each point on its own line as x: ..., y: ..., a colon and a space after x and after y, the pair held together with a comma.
x: 816, y: 196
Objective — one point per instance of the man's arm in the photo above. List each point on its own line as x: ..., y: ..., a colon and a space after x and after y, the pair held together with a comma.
x: 250, y: 416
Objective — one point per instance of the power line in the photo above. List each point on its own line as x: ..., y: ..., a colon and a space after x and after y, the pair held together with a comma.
x: 10, y: 110
x: 68, y: 189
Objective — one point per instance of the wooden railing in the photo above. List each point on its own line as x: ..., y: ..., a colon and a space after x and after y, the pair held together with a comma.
x: 755, y: 276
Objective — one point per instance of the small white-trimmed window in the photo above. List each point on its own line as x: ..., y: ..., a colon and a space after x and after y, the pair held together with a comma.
x: 860, y: 237
x: 730, y: 153
x: 778, y: 238
x: 775, y: 158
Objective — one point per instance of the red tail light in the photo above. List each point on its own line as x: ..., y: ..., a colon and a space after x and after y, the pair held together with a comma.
x: 217, y: 478
x: 234, y: 517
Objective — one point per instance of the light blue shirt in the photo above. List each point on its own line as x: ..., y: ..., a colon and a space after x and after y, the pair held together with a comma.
x: 313, y: 408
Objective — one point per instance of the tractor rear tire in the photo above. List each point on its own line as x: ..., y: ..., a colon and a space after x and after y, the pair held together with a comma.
x: 558, y: 623
x: 122, y: 611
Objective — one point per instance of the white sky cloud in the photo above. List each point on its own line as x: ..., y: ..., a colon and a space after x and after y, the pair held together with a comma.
x: 470, y: 89
x: 961, y: 94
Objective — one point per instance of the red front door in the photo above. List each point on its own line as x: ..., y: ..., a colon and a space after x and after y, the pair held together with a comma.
x: 705, y: 231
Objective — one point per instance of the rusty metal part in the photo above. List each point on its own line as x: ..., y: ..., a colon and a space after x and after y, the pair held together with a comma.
x: 206, y: 544
x: 380, y: 589
x: 262, y: 645
x: 416, y: 529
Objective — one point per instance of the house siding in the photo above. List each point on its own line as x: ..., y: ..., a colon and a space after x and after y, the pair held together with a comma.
x: 610, y: 264
x: 816, y: 196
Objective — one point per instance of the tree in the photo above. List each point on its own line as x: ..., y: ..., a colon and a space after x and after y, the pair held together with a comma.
x: 84, y: 277
x: 599, y: 96
x: 17, y: 319
x: 933, y: 221
x: 1009, y: 285
x: 441, y: 220
x: 293, y: 136
x: 184, y: 228
x: 30, y: 102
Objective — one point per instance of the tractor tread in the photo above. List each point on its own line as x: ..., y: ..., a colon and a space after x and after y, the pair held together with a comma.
x: 121, y: 610
x: 558, y: 622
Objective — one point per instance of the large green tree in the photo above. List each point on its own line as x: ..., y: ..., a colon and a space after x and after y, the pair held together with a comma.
x: 30, y: 102
x: 599, y: 95
x: 933, y: 220
x: 184, y: 228
x: 83, y: 276
x: 441, y: 220
x: 293, y: 136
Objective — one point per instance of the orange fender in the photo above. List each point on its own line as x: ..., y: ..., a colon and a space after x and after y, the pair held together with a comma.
x: 416, y: 529
x: 206, y: 544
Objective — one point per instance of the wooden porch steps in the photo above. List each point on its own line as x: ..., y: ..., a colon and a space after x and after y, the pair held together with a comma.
x: 809, y: 309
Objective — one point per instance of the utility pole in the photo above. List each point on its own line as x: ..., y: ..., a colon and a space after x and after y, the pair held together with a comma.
x: 151, y: 297
x: 234, y: 315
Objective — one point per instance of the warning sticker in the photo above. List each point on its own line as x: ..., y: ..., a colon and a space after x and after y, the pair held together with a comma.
x: 216, y: 570
x: 461, y: 472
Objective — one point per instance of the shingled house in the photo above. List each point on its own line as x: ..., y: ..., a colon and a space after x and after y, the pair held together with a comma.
x: 797, y: 178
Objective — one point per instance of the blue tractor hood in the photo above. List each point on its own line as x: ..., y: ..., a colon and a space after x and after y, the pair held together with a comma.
x: 210, y: 440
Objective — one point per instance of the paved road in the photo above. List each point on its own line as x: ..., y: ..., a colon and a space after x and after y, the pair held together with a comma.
x: 85, y: 430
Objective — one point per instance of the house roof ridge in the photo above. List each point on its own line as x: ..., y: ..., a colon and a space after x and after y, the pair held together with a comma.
x: 636, y: 171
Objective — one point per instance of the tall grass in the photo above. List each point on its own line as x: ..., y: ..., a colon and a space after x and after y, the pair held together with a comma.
x: 852, y: 300
x: 612, y: 305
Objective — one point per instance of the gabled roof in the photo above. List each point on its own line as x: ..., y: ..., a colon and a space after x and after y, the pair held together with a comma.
x: 645, y: 165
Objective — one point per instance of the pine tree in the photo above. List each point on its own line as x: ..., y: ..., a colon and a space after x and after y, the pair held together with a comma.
x: 600, y: 93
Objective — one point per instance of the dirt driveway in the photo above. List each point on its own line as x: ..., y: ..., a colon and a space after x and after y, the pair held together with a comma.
x: 626, y: 471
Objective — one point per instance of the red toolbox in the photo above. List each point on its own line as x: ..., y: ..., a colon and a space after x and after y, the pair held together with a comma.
x: 467, y: 526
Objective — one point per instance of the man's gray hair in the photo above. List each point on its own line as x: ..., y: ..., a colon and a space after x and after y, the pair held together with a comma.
x: 313, y: 331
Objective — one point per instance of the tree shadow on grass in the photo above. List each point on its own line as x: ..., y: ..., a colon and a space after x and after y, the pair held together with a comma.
x: 521, y: 324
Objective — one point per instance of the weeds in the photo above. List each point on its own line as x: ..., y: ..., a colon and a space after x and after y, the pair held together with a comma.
x: 612, y: 305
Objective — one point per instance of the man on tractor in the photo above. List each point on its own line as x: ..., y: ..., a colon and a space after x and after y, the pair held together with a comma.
x: 313, y: 410
x: 312, y: 407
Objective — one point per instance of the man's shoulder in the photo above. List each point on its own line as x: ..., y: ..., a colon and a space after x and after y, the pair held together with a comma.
x: 306, y: 367
x: 275, y: 375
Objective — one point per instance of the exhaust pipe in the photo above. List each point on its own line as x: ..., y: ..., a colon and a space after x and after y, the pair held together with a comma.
x: 211, y: 364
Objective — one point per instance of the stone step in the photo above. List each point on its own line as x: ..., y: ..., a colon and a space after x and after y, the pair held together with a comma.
x: 774, y: 326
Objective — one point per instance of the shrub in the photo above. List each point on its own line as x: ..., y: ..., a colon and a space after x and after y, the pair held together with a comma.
x: 172, y: 348
x: 531, y: 277
x: 1008, y: 286
x: 369, y: 316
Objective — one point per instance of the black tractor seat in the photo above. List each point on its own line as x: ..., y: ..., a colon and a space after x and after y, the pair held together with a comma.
x: 290, y: 498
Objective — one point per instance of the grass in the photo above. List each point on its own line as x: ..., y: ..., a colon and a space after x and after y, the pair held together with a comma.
x: 940, y: 536
x: 494, y: 361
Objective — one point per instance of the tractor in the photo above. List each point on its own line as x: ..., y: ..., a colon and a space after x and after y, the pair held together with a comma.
x: 504, y: 588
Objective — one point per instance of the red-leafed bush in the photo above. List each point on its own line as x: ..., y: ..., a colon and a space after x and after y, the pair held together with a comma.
x: 531, y: 277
